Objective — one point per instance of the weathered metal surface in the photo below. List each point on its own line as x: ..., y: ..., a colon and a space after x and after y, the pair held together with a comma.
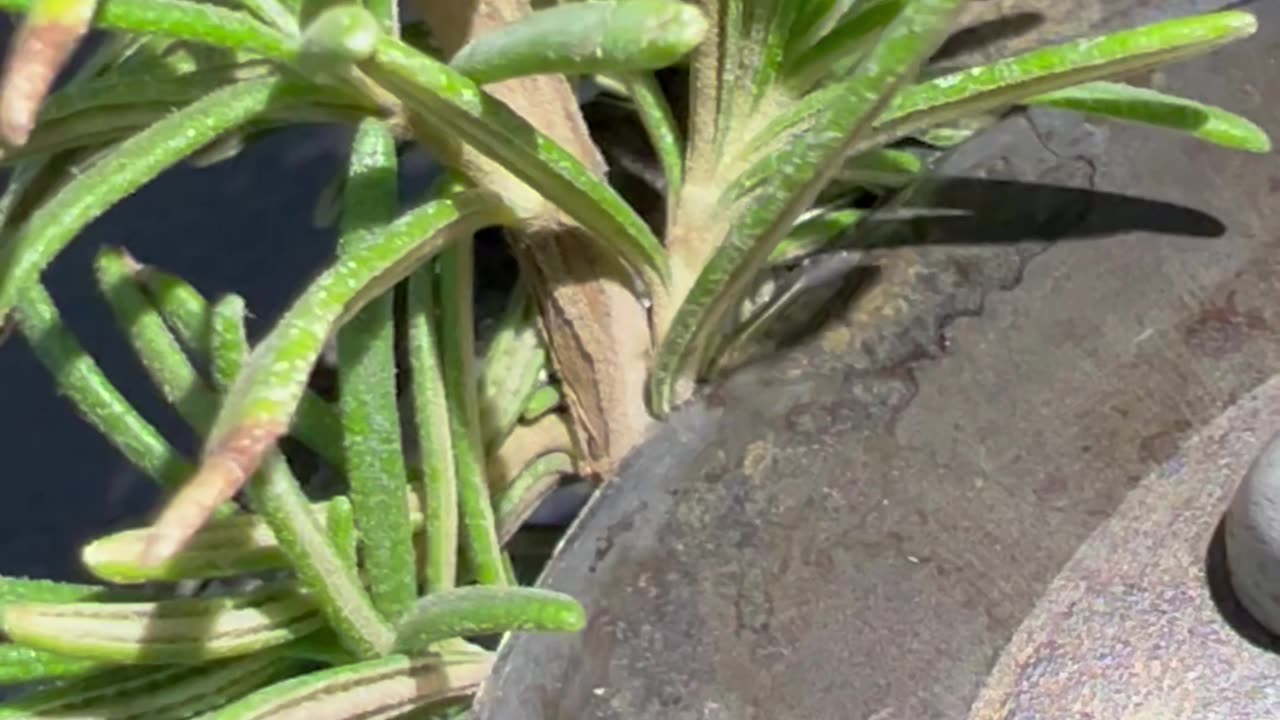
x: 1142, y: 622
x: 856, y: 529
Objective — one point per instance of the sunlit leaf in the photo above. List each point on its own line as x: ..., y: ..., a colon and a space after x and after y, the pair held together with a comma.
x: 611, y: 36
x: 1152, y: 107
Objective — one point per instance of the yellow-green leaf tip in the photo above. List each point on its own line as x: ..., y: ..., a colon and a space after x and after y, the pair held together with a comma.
x: 341, y: 35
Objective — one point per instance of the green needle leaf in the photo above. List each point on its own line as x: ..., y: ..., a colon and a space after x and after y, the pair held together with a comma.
x: 367, y: 385
x: 258, y: 408
x: 226, y: 547
x: 273, y: 13
x: 814, y: 20
x: 327, y: 574
x: 165, y: 363
x: 154, y: 693
x: 337, y: 38
x: 190, y: 316
x: 1152, y: 107
x: 135, y: 162
x: 124, y: 90
x: 434, y: 433
x: 1014, y: 80
x: 167, y: 631
x: 320, y: 563
x: 814, y: 233
x: 453, y: 107
x: 513, y: 365
x: 20, y: 664
x: 541, y: 401
x: 585, y: 38
x: 797, y: 174
x: 340, y: 522
x: 840, y: 47
x: 20, y: 590
x: 388, y: 13
x: 528, y: 489
x: 661, y: 127
x: 383, y: 688
x: 457, y: 352
x: 476, y: 610
x: 197, y: 21
x: 83, y: 383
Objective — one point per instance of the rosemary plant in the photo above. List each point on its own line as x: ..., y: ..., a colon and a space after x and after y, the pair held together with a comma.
x: 371, y: 603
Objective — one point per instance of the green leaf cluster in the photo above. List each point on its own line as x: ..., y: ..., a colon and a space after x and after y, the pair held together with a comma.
x: 370, y: 603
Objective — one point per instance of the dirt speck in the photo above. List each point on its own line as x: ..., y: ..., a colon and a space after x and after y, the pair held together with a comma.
x: 836, y: 341
x: 604, y: 545
x: 757, y: 456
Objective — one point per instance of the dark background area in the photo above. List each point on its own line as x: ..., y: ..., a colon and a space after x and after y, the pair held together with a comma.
x: 243, y: 225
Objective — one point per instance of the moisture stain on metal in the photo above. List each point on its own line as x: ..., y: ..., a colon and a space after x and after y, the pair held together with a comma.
x: 1219, y: 329
x: 604, y: 545
x: 1159, y: 446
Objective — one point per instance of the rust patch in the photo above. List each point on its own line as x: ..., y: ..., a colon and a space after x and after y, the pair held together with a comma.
x: 38, y: 55
x: 1220, y: 329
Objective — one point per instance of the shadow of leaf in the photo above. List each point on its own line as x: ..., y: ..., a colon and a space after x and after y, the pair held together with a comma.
x: 979, y: 215
x: 987, y: 33
x: 1007, y: 212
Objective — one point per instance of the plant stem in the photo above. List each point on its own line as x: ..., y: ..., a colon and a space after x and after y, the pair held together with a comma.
x: 597, y: 330
x: 798, y: 175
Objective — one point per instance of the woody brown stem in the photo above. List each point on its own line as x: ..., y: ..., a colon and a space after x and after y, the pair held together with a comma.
x: 597, y: 329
